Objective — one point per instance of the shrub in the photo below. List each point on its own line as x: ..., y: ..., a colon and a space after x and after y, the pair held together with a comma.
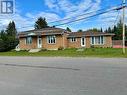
x: 60, y: 48
x: 43, y: 49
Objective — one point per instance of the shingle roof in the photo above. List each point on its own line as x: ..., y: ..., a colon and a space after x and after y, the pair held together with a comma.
x: 54, y: 31
x: 88, y: 33
x: 44, y: 31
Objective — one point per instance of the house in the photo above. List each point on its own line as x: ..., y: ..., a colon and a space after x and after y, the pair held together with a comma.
x: 54, y: 38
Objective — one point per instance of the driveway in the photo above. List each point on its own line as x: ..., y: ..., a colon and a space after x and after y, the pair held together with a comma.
x: 63, y: 76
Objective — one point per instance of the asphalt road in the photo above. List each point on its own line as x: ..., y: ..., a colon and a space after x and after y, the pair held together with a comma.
x: 63, y: 76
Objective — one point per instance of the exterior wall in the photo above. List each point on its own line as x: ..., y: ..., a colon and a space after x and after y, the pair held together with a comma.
x: 23, y: 45
x: 88, y: 42
x: 107, y: 42
x: 77, y: 44
x: 60, y: 42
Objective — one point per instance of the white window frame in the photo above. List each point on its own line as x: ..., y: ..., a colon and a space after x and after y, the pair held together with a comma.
x: 51, y: 39
x: 100, y: 42
x: 73, y: 39
x: 84, y: 42
x: 29, y: 40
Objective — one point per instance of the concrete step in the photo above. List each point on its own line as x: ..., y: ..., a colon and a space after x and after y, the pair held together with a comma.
x: 34, y: 50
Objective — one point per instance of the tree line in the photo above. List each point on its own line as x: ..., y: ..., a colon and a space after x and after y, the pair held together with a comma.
x: 117, y: 30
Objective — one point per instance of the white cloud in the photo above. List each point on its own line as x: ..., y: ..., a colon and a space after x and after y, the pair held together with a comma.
x: 66, y: 8
x: 72, y: 10
x: 25, y: 22
x: 111, y: 18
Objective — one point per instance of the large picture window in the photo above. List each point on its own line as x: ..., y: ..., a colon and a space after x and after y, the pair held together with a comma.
x: 98, y: 40
x: 29, y: 40
x: 51, y: 39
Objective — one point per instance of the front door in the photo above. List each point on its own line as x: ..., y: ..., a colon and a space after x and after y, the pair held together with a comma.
x: 83, y: 42
x: 39, y: 41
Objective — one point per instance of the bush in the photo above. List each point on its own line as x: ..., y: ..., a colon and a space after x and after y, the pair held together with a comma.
x: 43, y: 49
x: 60, y: 48
x: 8, y: 45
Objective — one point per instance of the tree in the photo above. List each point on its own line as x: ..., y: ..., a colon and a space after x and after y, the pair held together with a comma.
x: 101, y: 30
x: 80, y: 30
x: 109, y: 30
x: 8, y: 40
x: 117, y: 30
x: 11, y: 29
x: 68, y: 29
x: 40, y: 23
x: 94, y: 30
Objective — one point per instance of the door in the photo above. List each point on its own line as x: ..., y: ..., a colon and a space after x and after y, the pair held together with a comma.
x: 83, y: 42
x: 39, y: 41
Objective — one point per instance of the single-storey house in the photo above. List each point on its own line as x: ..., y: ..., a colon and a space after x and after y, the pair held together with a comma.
x: 54, y: 38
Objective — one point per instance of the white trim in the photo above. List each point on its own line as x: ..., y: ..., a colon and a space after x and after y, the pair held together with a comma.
x: 72, y: 39
x: 38, y: 42
x: 84, y: 42
x: 99, y: 39
x: 50, y: 39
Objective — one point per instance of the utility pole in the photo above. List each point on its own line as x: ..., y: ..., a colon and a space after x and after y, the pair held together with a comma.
x: 124, y: 2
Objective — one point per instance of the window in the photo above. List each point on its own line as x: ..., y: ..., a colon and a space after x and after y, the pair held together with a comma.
x: 98, y: 40
x: 51, y: 39
x: 29, y: 40
x: 73, y: 39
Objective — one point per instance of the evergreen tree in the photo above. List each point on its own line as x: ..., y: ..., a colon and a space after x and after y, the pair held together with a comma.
x: 101, y: 30
x: 3, y: 35
x: 80, y: 30
x: 109, y: 30
x: 68, y: 29
x: 8, y: 38
x: 11, y: 29
x: 126, y: 32
x: 40, y: 23
x: 94, y: 30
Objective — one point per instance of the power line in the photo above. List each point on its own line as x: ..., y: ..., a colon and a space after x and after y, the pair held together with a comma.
x: 78, y: 16
x: 86, y: 17
x: 117, y: 17
x: 82, y: 14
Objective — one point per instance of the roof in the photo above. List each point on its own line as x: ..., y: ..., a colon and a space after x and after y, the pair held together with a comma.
x: 57, y: 31
x: 89, y: 33
x: 44, y: 31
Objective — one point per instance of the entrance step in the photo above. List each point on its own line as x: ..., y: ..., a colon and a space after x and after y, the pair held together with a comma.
x: 34, y: 50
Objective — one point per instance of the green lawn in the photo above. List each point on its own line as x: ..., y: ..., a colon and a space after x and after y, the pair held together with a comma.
x: 92, y: 52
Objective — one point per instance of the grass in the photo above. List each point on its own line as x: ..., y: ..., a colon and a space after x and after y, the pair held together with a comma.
x: 92, y: 52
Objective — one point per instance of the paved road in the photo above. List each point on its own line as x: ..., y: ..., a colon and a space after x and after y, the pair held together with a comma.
x: 62, y: 76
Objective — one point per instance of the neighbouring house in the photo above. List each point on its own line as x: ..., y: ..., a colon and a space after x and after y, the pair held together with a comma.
x: 54, y: 38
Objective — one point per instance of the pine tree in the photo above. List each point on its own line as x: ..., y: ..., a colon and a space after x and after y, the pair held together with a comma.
x: 80, y: 30
x: 109, y: 30
x: 8, y: 38
x: 3, y: 36
x: 68, y: 29
x: 11, y: 29
x: 40, y: 23
x: 101, y: 30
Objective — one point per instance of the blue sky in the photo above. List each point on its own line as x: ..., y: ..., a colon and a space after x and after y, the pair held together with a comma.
x: 27, y: 12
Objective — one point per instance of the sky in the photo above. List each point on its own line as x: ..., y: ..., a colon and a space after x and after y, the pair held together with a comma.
x: 27, y: 12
